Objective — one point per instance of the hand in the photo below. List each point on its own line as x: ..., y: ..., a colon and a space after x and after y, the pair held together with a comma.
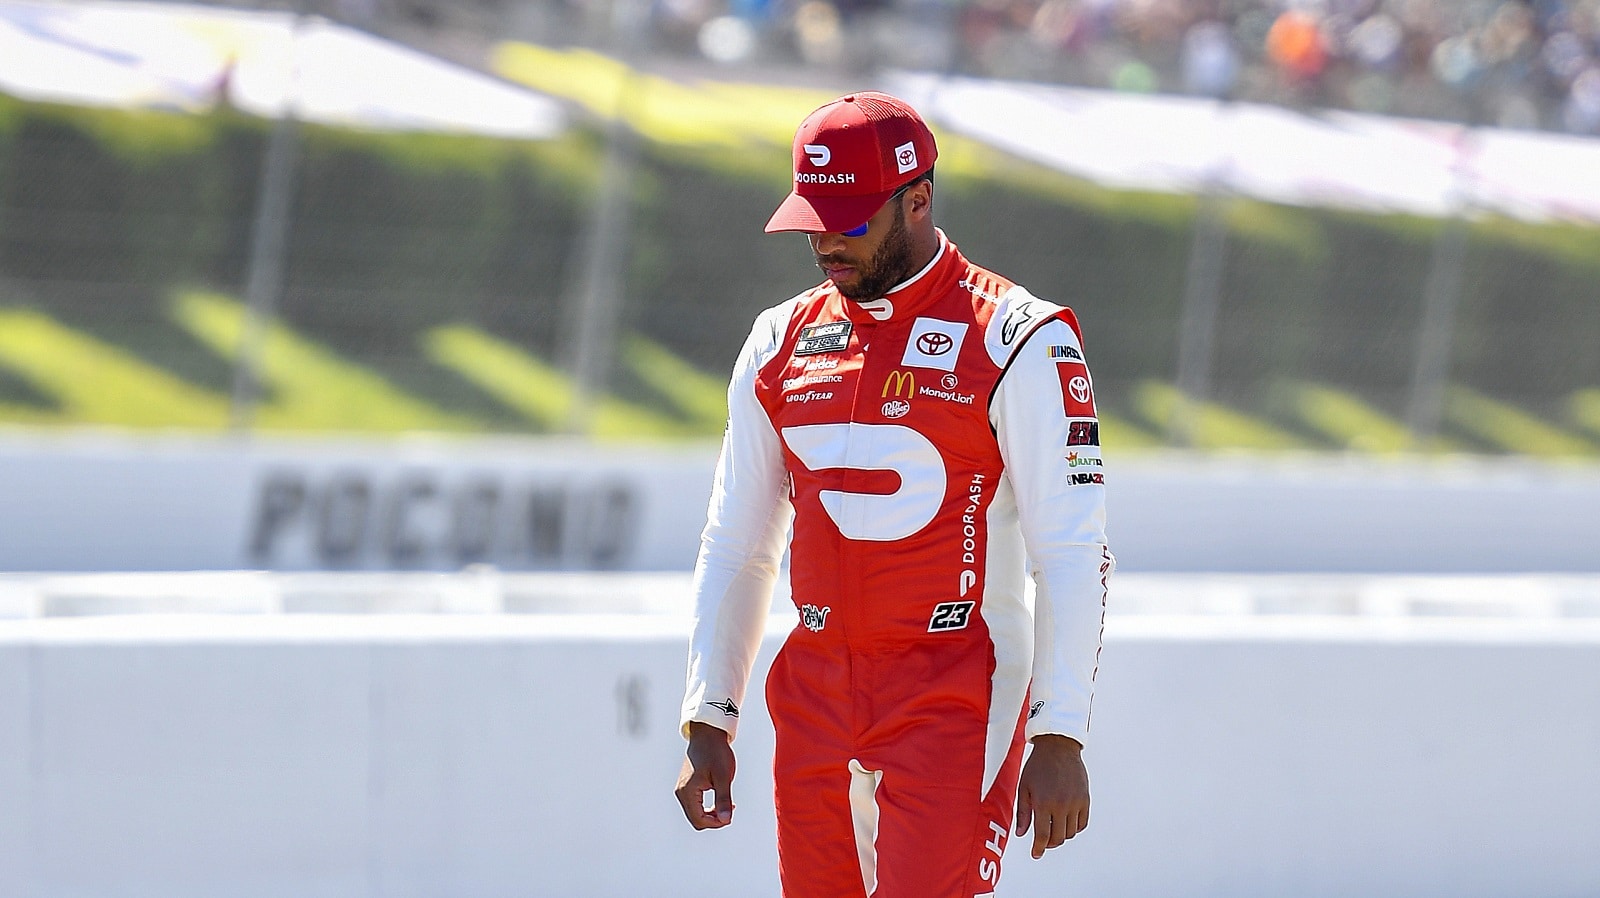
x: 707, y: 767
x: 1053, y: 794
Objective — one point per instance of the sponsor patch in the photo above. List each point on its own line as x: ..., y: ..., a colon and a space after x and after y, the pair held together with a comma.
x: 833, y: 336
x: 1077, y: 459
x: 807, y: 380
x: 1019, y: 316
x: 814, y: 618
x: 900, y: 383
x: 905, y: 157
x: 726, y: 706
x: 1085, y: 479
x: 1077, y: 393
x: 949, y: 395
x: 808, y: 396
x: 1083, y: 433
x: 824, y: 178
x: 977, y: 291
x: 1066, y: 354
x: 1034, y: 711
x: 950, y: 616
x: 896, y: 408
x: 880, y: 309
x: 819, y: 154
x: 934, y: 344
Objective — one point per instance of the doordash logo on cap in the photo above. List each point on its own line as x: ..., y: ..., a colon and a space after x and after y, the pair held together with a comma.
x: 850, y: 156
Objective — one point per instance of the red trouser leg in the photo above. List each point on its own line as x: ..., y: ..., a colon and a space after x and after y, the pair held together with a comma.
x: 881, y: 769
x: 809, y: 699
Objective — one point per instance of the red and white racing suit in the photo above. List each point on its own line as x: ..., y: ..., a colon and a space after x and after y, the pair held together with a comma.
x: 909, y: 437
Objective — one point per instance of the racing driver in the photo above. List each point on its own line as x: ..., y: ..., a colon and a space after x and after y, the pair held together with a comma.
x: 929, y: 427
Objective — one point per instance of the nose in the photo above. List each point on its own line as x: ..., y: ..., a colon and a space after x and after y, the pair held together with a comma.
x: 827, y: 243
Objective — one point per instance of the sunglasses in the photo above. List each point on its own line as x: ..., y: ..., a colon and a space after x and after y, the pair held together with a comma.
x: 861, y: 229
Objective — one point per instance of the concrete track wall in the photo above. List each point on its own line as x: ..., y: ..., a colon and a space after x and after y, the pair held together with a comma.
x: 500, y: 755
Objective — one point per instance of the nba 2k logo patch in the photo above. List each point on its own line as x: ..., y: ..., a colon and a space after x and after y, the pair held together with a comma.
x: 950, y: 616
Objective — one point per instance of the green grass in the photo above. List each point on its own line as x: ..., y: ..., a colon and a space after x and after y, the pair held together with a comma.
x: 1584, y: 409
x: 1343, y: 419
x: 543, y: 394
x: 94, y: 382
x: 697, y: 396
x: 1214, y: 426
x: 1509, y: 428
x: 311, y: 387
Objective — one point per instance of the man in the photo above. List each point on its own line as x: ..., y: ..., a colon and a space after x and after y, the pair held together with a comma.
x: 922, y: 420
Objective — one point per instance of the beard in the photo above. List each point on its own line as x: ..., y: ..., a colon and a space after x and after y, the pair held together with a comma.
x: 889, y: 265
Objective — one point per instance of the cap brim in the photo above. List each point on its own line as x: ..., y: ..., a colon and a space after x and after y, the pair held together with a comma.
x: 825, y: 214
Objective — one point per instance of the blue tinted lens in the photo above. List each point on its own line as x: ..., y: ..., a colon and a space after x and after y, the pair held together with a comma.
x: 856, y: 231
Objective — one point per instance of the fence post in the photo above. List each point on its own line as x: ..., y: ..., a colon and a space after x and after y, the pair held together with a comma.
x: 602, y: 279
x: 1197, y: 322
x: 268, y: 245
x: 1441, y: 297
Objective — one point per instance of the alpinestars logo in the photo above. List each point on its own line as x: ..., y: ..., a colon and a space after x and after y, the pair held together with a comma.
x: 814, y: 618
x: 726, y: 706
x: 950, y: 616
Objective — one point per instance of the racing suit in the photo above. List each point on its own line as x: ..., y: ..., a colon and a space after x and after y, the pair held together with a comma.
x: 908, y: 438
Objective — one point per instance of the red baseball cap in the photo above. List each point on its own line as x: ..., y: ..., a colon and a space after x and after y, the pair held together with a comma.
x: 850, y: 156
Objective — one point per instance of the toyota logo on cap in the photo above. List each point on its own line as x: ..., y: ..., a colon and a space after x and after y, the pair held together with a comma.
x: 934, y: 343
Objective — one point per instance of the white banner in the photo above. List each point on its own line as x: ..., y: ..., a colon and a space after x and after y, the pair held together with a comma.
x: 119, y: 503
x: 103, y: 503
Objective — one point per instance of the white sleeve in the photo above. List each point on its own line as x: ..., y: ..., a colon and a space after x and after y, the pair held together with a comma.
x: 1051, y: 446
x: 741, y: 546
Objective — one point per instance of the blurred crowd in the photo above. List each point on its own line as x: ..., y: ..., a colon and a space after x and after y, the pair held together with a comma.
x: 1512, y: 63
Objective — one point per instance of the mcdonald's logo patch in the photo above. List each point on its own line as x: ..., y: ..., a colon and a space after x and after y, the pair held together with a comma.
x: 900, y: 384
